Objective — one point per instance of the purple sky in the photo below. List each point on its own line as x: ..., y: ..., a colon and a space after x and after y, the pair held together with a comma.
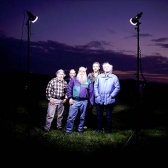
x: 92, y: 24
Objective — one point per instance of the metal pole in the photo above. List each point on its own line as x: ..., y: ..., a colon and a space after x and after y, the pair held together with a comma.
x: 28, y: 46
x: 138, y: 61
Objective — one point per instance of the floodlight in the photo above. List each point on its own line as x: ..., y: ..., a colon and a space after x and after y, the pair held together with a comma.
x: 32, y: 17
x: 134, y: 21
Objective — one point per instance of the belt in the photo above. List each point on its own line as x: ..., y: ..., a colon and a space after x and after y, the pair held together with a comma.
x: 79, y: 98
x: 59, y: 97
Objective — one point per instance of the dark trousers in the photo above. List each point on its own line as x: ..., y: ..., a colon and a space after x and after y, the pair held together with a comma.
x: 88, y: 116
x: 107, y: 122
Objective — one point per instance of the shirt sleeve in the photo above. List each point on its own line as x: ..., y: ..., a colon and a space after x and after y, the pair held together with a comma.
x: 48, y: 90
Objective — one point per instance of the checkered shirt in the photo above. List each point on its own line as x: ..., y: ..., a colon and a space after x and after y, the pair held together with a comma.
x: 56, y: 88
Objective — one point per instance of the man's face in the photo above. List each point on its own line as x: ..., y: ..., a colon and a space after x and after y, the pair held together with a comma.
x: 96, y: 67
x: 60, y: 76
x: 107, y: 68
x: 81, y: 76
x: 82, y: 72
x: 72, y: 74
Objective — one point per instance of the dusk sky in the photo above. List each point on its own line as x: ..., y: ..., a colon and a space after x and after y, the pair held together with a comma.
x: 80, y: 32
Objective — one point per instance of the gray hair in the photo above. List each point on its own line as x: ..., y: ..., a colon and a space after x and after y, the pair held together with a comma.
x: 108, y: 64
x: 60, y: 71
x: 82, y: 68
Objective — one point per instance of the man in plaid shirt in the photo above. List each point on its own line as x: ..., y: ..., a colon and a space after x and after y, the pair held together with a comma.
x: 56, y: 95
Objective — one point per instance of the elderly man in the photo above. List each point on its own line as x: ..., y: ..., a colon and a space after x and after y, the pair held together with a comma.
x: 79, y: 92
x: 106, y: 88
x: 56, y: 95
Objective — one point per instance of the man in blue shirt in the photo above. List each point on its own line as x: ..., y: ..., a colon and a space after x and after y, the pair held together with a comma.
x: 106, y: 87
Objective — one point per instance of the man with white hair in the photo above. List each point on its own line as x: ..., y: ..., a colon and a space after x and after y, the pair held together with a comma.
x: 56, y: 95
x: 79, y: 92
x: 106, y: 88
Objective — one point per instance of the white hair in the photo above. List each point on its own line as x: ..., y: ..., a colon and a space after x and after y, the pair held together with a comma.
x: 108, y: 65
x: 60, y: 71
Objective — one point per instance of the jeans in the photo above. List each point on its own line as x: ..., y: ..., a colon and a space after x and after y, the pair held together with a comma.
x: 78, y: 105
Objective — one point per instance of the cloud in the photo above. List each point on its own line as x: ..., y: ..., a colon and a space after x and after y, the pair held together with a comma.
x: 141, y: 35
x: 48, y: 56
x: 96, y: 45
x: 160, y: 42
x: 165, y: 39
x: 162, y: 45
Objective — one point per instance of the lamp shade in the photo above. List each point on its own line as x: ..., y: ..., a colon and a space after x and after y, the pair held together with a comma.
x: 32, y: 17
x: 135, y: 20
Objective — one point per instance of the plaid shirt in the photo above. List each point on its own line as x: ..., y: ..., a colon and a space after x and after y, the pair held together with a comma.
x: 56, y: 88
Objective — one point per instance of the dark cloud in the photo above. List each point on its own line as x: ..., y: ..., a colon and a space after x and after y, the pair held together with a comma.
x: 165, y: 39
x: 160, y: 42
x: 162, y: 45
x: 145, y: 35
x: 48, y: 56
x: 95, y: 45
x: 141, y: 35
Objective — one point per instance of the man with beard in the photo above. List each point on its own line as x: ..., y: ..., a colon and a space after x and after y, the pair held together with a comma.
x: 92, y: 76
x: 72, y: 73
x: 96, y: 71
x: 79, y: 93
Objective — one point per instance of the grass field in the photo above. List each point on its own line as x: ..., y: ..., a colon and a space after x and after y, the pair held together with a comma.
x: 139, y: 130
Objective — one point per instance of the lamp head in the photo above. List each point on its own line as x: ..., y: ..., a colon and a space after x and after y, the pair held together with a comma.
x: 134, y: 21
x: 31, y: 17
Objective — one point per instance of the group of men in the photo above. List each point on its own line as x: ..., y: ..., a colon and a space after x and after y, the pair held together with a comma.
x: 97, y: 89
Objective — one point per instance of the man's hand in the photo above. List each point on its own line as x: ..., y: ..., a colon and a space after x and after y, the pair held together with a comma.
x: 71, y: 101
x: 52, y: 101
x: 64, y: 101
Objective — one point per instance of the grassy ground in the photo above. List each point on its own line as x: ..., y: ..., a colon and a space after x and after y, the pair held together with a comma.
x: 139, y: 131
x: 131, y: 135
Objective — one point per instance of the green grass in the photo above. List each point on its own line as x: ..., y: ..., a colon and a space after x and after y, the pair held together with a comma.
x: 139, y: 132
x: 128, y: 134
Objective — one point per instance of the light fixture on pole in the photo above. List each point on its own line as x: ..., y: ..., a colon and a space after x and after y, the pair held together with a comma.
x: 31, y: 19
x: 135, y: 20
x: 29, y: 96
